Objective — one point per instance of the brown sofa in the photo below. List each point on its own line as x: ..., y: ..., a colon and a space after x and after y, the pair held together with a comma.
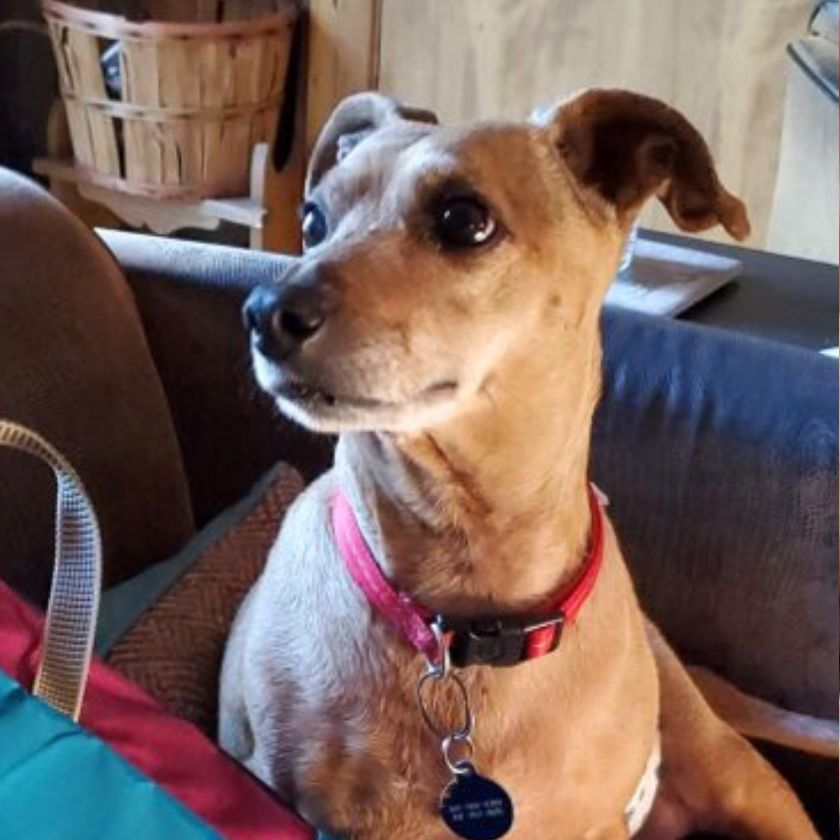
x: 125, y: 380
x: 719, y: 453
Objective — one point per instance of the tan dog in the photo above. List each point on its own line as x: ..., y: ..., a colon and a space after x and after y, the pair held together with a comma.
x: 445, y: 321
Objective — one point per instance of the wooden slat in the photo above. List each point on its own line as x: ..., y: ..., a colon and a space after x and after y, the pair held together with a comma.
x: 180, y: 86
x: 76, y: 121
x: 214, y: 93
x: 132, y: 136
x: 59, y: 147
x: 82, y: 51
x: 142, y: 76
x: 171, y: 74
x: 80, y: 132
x: 252, y: 54
x: 57, y: 37
x: 141, y: 85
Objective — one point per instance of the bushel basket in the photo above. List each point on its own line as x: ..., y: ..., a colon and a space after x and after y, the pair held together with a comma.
x: 167, y: 99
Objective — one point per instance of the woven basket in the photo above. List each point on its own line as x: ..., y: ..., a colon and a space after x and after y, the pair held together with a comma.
x: 198, y: 84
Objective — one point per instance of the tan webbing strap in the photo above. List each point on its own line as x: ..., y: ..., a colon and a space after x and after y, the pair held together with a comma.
x: 77, y: 572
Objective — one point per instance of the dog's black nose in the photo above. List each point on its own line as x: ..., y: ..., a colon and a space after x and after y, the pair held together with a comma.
x: 282, y: 317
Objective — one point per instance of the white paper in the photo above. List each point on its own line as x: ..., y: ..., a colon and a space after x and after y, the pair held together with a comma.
x: 668, y: 279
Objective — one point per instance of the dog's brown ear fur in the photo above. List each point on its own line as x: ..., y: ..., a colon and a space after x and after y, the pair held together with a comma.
x: 626, y: 147
x: 352, y: 120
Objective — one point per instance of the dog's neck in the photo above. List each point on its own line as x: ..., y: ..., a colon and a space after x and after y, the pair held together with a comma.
x: 488, y: 512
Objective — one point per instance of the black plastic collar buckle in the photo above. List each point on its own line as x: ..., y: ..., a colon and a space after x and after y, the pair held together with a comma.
x: 496, y: 641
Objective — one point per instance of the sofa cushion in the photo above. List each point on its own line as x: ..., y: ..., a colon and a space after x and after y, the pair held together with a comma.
x: 76, y: 368
x: 719, y: 455
x: 166, y: 629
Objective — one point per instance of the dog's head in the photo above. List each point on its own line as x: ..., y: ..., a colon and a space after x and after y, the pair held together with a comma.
x: 436, y: 255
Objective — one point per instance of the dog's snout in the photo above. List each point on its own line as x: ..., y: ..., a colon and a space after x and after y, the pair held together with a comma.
x: 301, y: 317
x: 282, y: 317
x: 257, y: 306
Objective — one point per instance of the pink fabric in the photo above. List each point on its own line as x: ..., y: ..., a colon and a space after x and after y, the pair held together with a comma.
x: 396, y: 607
x: 172, y: 752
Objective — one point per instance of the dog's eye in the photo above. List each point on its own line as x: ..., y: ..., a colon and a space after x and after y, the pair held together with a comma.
x: 464, y: 222
x: 313, y: 225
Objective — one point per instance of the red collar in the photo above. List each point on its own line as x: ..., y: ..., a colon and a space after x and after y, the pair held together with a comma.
x: 504, y: 640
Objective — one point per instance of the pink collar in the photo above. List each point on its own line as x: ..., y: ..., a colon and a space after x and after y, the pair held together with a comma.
x: 504, y: 640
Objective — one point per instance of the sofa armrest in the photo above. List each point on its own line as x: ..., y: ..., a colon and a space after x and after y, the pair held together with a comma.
x: 719, y: 453
x: 75, y: 367
x: 189, y: 296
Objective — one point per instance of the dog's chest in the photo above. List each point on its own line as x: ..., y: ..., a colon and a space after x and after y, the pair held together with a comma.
x: 349, y: 739
x: 383, y: 773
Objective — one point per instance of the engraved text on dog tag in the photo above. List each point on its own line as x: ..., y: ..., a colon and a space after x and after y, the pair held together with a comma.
x: 476, y: 808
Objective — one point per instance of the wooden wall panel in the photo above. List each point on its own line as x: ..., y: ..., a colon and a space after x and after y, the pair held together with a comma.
x: 343, y: 56
x: 721, y: 62
x: 806, y: 215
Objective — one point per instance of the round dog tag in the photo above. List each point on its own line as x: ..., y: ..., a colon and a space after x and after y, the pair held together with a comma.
x: 476, y: 808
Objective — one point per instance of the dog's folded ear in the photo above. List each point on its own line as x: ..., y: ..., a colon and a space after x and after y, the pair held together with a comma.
x: 623, y: 147
x: 353, y: 119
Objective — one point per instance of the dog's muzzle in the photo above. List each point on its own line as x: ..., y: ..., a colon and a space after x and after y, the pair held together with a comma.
x: 282, y: 317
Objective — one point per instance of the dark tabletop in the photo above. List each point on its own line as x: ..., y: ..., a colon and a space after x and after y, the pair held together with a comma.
x: 782, y: 298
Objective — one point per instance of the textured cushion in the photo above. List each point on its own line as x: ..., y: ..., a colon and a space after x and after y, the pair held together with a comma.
x: 76, y: 368
x: 174, y: 648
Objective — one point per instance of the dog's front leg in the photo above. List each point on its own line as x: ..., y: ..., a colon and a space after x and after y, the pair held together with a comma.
x: 712, y: 778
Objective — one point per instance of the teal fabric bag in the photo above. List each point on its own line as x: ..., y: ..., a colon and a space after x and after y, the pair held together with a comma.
x: 55, y: 777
